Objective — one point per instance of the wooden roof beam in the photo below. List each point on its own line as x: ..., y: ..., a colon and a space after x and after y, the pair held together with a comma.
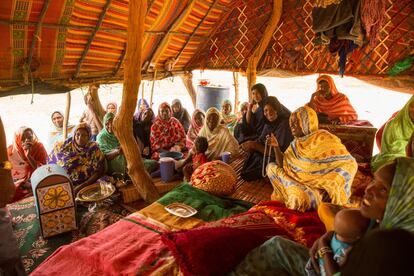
x: 263, y: 44
x: 86, y: 28
x: 120, y: 62
x: 92, y: 37
x: 196, y: 29
x: 37, y: 31
x: 164, y: 42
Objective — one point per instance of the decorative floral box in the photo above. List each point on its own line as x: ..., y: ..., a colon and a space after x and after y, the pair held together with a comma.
x: 55, y: 201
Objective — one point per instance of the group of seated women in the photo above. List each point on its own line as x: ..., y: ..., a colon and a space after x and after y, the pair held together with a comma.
x: 306, y: 166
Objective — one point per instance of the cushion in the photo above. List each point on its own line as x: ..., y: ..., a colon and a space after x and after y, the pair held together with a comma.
x: 215, y: 177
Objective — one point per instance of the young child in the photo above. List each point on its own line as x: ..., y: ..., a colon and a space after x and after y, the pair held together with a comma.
x: 350, y: 226
x: 195, y: 159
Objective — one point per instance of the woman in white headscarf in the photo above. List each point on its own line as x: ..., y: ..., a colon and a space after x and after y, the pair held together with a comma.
x: 218, y: 136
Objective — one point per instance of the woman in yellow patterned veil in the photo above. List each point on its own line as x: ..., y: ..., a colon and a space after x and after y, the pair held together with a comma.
x: 316, y: 166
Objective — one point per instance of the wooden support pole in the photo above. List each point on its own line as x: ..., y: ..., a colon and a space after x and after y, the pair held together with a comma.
x: 262, y: 45
x: 123, y: 120
x: 96, y: 107
x: 187, y: 79
x: 236, y: 91
x: 7, y: 187
x: 142, y: 90
x: 152, y: 87
x: 67, y: 114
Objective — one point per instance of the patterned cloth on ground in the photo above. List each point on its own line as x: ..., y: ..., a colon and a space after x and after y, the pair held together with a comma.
x: 35, y: 249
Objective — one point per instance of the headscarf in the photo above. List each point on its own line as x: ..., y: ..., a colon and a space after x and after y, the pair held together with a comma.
x: 261, y: 88
x: 395, y: 137
x: 166, y: 133
x: 282, y: 111
x: 112, y: 103
x: 315, y: 162
x: 240, y: 113
x: 107, y: 141
x: 182, y: 115
x: 193, y: 130
x: 56, y: 133
x: 229, y: 119
x: 138, y: 112
x: 399, y: 211
x: 21, y: 167
x: 80, y: 163
x: 256, y: 125
x: 307, y: 118
x: 219, y: 139
x: 338, y: 106
x: 279, y: 127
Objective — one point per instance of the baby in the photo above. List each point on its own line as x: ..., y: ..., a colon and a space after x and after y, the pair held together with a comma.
x: 350, y: 226
x: 195, y: 159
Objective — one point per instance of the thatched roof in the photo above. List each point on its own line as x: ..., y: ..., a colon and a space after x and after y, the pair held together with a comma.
x: 68, y: 43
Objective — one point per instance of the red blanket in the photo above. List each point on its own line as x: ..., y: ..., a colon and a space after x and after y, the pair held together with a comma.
x: 216, y: 248
x: 129, y: 247
x: 305, y: 227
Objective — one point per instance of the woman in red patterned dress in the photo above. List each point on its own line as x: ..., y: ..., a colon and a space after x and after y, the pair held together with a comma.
x: 167, y: 133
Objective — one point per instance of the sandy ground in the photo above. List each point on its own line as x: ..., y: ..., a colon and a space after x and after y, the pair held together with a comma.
x: 372, y: 103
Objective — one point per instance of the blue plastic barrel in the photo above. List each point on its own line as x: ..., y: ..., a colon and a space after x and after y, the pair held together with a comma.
x: 211, y: 96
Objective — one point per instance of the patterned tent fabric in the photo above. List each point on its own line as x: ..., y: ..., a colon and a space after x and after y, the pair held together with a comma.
x: 75, y: 42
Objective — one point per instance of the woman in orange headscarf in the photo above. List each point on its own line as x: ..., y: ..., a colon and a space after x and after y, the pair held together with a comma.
x: 328, y: 101
x: 26, y: 155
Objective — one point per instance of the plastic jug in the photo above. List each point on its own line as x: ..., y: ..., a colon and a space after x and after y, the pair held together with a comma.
x: 167, y: 169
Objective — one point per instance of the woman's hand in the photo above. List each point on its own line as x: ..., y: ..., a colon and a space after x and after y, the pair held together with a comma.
x: 272, y: 140
x: 146, y: 151
x: 176, y: 148
x: 323, y: 241
x: 248, y: 146
x: 334, y: 121
x: 27, y: 148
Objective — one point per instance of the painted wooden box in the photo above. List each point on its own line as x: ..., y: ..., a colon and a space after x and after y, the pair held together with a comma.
x: 55, y: 200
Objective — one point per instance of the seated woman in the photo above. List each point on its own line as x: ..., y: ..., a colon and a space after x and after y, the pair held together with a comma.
x: 378, y: 135
x: 109, y: 145
x: 56, y: 134
x: 395, y: 137
x: 197, y: 122
x: 181, y: 114
x: 331, y: 106
x: 218, y: 136
x: 82, y: 159
x: 167, y: 133
x: 229, y: 119
x: 387, y: 203
x: 253, y: 123
x: 239, y: 129
x: 10, y: 260
x: 111, y: 107
x: 142, y: 132
x: 26, y: 154
x: 316, y: 165
x: 142, y: 105
x: 277, y: 123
